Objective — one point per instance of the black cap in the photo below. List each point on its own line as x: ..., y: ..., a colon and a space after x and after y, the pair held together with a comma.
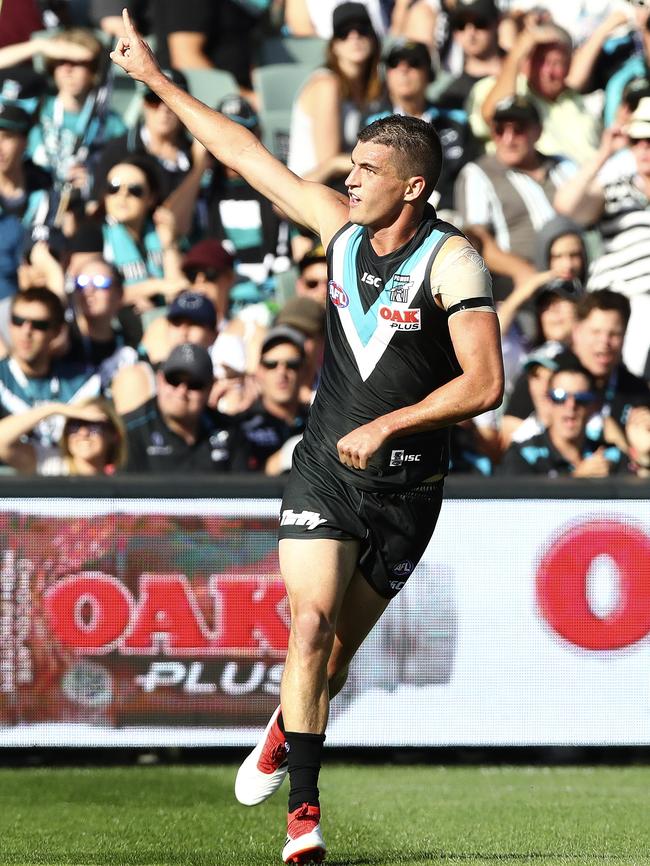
x: 279, y: 334
x: 315, y: 254
x: 195, y: 307
x: 406, y: 49
x: 191, y: 359
x: 569, y: 290
x: 484, y: 9
x: 516, y: 108
x: 238, y: 109
x: 14, y: 119
x: 350, y: 13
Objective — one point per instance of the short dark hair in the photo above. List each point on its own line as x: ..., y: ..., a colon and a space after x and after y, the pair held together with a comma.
x: 147, y: 165
x: 415, y: 141
x: 571, y: 364
x: 40, y: 295
x: 606, y: 300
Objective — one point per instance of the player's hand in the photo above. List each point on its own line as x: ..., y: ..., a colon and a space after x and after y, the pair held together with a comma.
x: 358, y: 446
x: 134, y: 55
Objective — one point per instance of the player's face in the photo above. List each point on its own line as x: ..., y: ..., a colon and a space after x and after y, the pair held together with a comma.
x: 598, y: 341
x: 375, y: 189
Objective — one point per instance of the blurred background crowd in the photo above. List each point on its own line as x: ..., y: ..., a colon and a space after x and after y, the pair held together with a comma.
x: 157, y: 315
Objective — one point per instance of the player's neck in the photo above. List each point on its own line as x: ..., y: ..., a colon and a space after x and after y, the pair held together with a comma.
x: 386, y: 239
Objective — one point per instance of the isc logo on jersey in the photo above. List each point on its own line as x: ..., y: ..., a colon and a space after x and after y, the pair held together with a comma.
x: 402, y: 320
x: 337, y: 296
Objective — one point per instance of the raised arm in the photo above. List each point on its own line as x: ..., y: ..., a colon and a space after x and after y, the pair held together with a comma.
x: 312, y: 205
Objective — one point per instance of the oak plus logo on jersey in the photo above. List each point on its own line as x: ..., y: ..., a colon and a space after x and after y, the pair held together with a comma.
x: 337, y: 295
x: 402, y: 320
x: 371, y: 280
x: 310, y: 519
x: 398, y: 457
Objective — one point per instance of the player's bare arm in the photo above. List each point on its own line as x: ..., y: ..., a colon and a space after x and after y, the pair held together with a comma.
x: 461, y: 284
x: 312, y: 205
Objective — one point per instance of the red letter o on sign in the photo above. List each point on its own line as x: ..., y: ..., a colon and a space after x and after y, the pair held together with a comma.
x: 110, y: 604
x: 562, y: 585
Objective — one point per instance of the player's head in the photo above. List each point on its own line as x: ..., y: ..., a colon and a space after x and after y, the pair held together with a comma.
x: 396, y: 161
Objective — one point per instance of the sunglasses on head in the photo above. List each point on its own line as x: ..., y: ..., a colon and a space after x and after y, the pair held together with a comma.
x: 413, y: 62
x: 137, y: 190
x: 582, y: 398
x: 36, y: 324
x: 478, y: 23
x: 94, y: 428
x: 211, y: 274
x: 178, y: 379
x: 518, y: 127
x: 97, y: 281
x: 360, y: 27
x: 293, y: 364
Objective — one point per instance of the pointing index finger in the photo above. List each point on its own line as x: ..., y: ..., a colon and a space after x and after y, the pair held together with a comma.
x: 128, y: 24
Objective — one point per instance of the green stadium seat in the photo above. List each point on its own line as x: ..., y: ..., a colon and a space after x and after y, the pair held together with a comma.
x: 285, y: 285
x: 210, y: 85
x: 124, y: 95
x: 278, y: 86
x: 309, y: 50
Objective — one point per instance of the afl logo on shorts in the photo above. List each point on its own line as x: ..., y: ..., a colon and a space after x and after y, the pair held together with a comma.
x: 338, y: 297
x: 403, y: 568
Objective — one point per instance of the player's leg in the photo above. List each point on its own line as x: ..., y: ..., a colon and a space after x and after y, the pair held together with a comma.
x: 316, y: 573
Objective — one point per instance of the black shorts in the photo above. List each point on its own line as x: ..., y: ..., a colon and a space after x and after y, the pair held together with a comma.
x: 394, y: 527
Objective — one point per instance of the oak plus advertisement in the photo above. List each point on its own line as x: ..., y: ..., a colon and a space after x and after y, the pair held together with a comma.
x: 165, y: 622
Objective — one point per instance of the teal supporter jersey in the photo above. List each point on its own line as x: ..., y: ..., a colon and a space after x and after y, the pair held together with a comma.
x: 388, y: 346
x: 135, y: 260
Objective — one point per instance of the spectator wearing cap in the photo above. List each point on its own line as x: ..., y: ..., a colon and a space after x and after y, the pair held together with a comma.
x: 31, y: 374
x: 74, y: 124
x: 537, y: 66
x: 306, y: 316
x: 314, y: 17
x: 209, y: 269
x: 175, y: 431
x: 526, y: 411
x: 272, y: 427
x: 229, y: 208
x: 191, y: 318
x: 475, y: 30
x: 327, y: 111
x: 612, y: 192
x: 158, y: 133
x: 408, y: 74
x: 312, y: 278
x: 564, y: 448
x: 506, y: 197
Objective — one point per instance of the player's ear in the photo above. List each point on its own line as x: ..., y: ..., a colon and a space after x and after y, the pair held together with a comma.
x: 415, y: 187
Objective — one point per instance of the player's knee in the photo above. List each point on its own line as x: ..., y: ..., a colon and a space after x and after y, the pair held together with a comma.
x: 312, y: 631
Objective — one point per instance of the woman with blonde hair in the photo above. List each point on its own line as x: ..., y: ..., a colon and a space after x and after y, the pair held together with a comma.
x: 93, y: 441
x: 328, y: 109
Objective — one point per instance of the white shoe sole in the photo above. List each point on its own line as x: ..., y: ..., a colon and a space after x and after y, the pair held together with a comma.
x: 252, y: 786
x: 309, y: 848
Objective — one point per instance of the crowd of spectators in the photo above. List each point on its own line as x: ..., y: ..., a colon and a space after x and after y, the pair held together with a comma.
x: 158, y: 315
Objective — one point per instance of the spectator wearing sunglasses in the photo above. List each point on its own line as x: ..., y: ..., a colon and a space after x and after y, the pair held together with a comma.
x: 31, y: 374
x: 564, y: 448
x: 93, y: 440
x: 139, y: 235
x: 537, y: 66
x: 408, y: 74
x: 312, y: 279
x: 506, y: 197
x: 274, y: 424
x: 327, y: 112
x: 175, y: 431
x: 314, y: 17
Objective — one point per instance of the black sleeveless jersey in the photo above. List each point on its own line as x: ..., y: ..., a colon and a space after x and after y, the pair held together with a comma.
x: 387, y: 347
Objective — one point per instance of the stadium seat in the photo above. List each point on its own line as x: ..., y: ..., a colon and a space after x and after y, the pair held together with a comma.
x: 309, y: 50
x: 278, y: 86
x: 123, y: 94
x: 210, y: 85
x: 285, y: 285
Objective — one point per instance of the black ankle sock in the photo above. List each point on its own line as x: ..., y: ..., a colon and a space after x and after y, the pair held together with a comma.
x: 304, y: 752
x: 280, y: 722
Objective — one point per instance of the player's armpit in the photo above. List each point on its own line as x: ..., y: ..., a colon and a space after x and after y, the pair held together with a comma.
x: 460, y: 279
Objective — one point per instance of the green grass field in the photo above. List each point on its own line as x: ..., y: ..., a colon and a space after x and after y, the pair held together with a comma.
x: 187, y: 816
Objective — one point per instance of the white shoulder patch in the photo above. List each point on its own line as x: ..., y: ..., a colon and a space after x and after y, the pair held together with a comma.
x: 463, y: 282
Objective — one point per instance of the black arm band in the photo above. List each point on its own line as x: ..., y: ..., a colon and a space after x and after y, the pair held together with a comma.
x: 471, y: 304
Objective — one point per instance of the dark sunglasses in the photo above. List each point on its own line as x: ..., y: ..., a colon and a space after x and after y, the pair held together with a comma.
x: 97, y: 281
x: 94, y: 428
x: 413, y: 62
x: 479, y: 23
x: 293, y: 364
x: 517, y: 126
x: 313, y: 284
x: 211, y: 274
x: 137, y: 190
x: 36, y: 324
x: 177, y: 379
x: 360, y: 27
x: 582, y: 398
